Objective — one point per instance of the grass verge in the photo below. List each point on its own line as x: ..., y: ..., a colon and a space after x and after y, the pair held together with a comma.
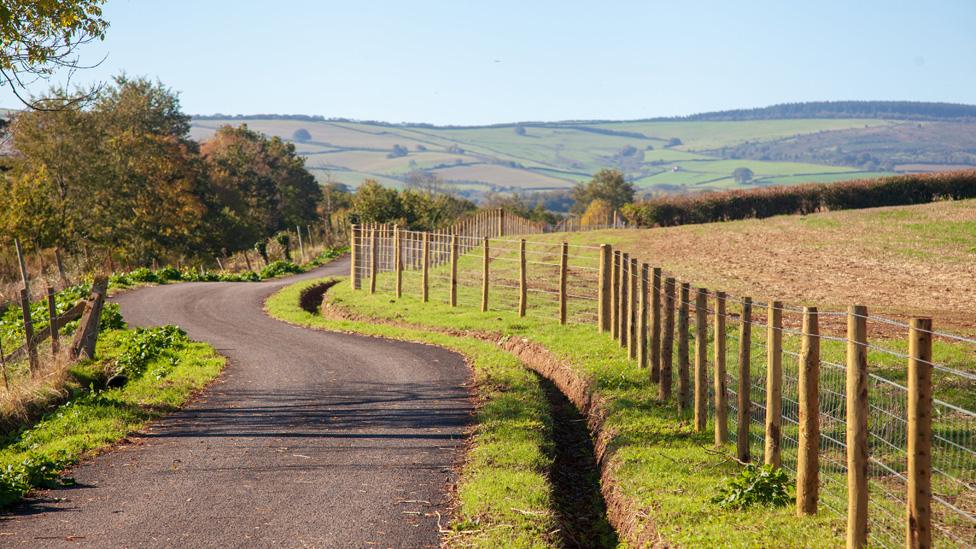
x: 92, y: 419
x: 504, y: 497
x: 658, y: 475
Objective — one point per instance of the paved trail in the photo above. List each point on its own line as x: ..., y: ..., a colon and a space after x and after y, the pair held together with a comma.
x: 309, y: 439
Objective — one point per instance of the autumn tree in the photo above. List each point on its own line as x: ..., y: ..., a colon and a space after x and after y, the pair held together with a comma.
x: 607, y: 185
x: 38, y: 39
x: 598, y: 212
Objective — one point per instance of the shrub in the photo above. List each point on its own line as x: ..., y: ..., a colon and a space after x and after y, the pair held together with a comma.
x: 16, y: 479
x: 763, y: 485
x: 144, y: 344
x: 802, y: 199
x: 143, y: 274
x: 278, y: 268
x: 168, y: 274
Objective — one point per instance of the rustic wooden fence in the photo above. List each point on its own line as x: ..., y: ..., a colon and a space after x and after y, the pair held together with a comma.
x: 871, y: 423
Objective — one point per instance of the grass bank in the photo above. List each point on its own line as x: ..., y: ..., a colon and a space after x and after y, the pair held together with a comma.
x: 659, y: 476
x: 504, y: 495
x: 162, y: 370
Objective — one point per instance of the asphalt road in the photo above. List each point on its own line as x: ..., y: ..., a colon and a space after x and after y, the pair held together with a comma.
x: 308, y: 439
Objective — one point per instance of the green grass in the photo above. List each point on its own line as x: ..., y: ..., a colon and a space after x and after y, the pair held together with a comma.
x: 659, y: 462
x: 504, y: 492
x: 90, y: 422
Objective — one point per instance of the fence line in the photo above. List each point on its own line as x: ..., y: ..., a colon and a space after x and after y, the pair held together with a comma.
x: 855, y: 415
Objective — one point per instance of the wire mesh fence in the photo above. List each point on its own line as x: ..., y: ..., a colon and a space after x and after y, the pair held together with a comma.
x: 760, y: 349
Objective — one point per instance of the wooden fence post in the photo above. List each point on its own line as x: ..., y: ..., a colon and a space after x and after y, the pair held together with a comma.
x: 52, y: 313
x: 454, y: 274
x: 523, y: 283
x: 485, y: 260
x: 684, y: 389
x: 605, y: 298
x: 24, y: 276
x: 398, y: 260
x: 919, y: 520
x: 622, y: 314
x: 632, y: 310
x: 642, y: 318
x: 743, y: 392
x: 857, y: 427
x: 774, y: 384
x: 720, y: 383
x: 667, y: 342
x: 655, y: 338
x: 29, y: 340
x: 563, y: 279
x: 354, y: 256
x: 86, y: 335
x: 501, y: 222
x: 301, y: 244
x: 374, y: 249
x: 425, y: 266
x: 808, y: 443
x: 615, y: 296
x: 701, y: 359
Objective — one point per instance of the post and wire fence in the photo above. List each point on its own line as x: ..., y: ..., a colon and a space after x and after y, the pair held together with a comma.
x: 872, y: 416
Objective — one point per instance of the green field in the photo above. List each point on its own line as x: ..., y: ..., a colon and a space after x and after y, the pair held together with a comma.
x: 555, y: 156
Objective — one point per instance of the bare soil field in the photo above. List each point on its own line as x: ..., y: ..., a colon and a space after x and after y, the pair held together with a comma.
x: 898, y: 261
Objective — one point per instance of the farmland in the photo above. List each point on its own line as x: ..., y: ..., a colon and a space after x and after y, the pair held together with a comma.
x: 671, y: 156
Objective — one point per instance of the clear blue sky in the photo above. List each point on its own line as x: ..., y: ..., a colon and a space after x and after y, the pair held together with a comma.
x: 466, y: 62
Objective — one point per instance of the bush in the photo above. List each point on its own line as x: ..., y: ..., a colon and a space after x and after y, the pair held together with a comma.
x: 278, y: 268
x: 327, y: 255
x: 248, y: 276
x: 802, y: 199
x: 144, y: 344
x: 168, y: 274
x: 754, y: 486
x: 16, y: 479
x: 143, y: 274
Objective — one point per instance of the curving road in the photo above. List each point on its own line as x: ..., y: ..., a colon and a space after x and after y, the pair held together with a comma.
x: 308, y: 439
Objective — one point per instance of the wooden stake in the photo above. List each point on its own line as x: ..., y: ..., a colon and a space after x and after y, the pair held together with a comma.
x: 632, y: 310
x: 52, y: 313
x: 774, y: 384
x: 354, y: 256
x: 857, y: 427
x: 301, y: 244
x: 563, y: 279
x: 615, y: 296
x: 523, y: 284
x: 425, y: 265
x: 918, y: 531
x: 719, y: 382
x: 454, y: 271
x: 623, y: 315
x: 374, y: 251
x: 642, y: 317
x: 485, y: 261
x: 808, y: 443
x: 24, y: 277
x: 684, y: 391
x: 744, y: 408
x: 701, y: 359
x: 604, y: 315
x: 398, y: 260
x: 3, y: 365
x: 655, y: 337
x: 667, y: 342
x: 28, y: 330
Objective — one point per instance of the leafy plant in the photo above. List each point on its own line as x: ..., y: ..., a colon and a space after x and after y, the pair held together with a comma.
x: 142, y: 274
x: 16, y: 479
x: 754, y: 485
x: 144, y: 344
x: 168, y: 274
x: 278, y: 268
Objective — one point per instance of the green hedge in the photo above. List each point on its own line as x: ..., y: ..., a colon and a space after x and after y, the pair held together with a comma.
x: 802, y: 199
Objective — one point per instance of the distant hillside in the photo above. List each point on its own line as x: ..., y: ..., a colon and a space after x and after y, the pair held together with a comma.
x: 895, y: 110
x: 782, y: 144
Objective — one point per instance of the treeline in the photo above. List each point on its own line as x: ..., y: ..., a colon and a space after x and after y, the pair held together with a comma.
x: 121, y: 175
x: 802, y: 199
x: 899, y: 110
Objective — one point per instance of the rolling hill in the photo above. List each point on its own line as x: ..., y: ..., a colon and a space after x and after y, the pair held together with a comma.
x: 780, y: 145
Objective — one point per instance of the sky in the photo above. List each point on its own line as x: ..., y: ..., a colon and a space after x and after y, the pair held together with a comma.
x: 465, y: 62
